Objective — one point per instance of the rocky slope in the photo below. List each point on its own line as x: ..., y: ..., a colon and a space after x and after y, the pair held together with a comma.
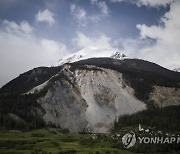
x: 165, y: 96
x: 91, y: 98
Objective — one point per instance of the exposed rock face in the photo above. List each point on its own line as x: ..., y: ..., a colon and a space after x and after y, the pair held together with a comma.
x: 118, y: 55
x: 91, y: 98
x: 165, y: 96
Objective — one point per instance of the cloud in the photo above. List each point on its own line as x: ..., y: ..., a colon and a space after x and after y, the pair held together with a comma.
x: 131, y: 46
x: 102, y: 6
x: 53, y: 46
x: 165, y: 50
x: 13, y: 27
x: 148, y: 3
x: 21, y: 50
x: 79, y: 14
x: 45, y: 16
x: 153, y: 3
x: 115, y: 1
x: 83, y: 41
x: 95, y: 18
x: 156, y: 43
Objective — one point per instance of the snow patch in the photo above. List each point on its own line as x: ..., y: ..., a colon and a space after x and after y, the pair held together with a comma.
x: 91, y: 52
x: 177, y: 69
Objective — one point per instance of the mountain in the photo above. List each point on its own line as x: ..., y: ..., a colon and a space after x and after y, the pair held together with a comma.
x: 88, y: 94
x: 91, y: 52
x: 29, y: 79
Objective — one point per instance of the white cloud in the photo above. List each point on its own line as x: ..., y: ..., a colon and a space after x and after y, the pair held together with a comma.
x: 102, y: 6
x: 53, y: 46
x: 165, y: 51
x: 23, y: 27
x: 45, y: 16
x: 114, y: 1
x: 95, y: 18
x: 83, y: 41
x: 153, y: 3
x: 148, y: 3
x: 21, y: 51
x: 79, y: 14
x: 94, y: 1
x: 157, y: 43
x: 131, y: 46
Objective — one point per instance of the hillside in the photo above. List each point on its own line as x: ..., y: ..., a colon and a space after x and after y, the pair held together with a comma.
x: 89, y: 94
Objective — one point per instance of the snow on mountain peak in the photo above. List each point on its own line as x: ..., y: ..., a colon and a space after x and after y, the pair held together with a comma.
x: 91, y: 52
x: 177, y: 69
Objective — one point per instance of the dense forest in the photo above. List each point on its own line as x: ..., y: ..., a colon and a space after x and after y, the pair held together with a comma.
x: 166, y: 119
x: 28, y: 80
x: 20, y: 112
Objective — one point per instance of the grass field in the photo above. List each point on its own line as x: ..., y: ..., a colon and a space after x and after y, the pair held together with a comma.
x: 47, y: 141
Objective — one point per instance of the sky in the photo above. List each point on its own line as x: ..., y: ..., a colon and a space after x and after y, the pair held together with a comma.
x: 37, y: 33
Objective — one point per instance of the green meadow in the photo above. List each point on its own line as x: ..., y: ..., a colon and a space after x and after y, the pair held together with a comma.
x: 54, y: 141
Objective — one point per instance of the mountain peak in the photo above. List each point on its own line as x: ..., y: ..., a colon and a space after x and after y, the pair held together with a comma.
x: 118, y: 55
x: 91, y: 52
x: 177, y: 69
